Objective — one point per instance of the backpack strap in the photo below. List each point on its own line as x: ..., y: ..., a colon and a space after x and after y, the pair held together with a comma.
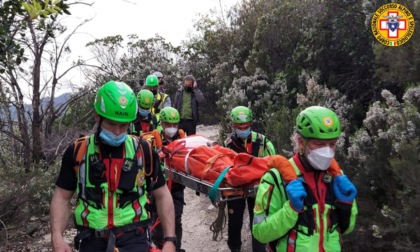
x: 150, y: 160
x: 256, y: 146
x: 273, y: 244
x: 80, y: 147
x: 154, y: 122
x: 181, y: 133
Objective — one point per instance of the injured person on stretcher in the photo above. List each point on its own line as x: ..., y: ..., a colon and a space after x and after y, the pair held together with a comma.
x: 206, y: 167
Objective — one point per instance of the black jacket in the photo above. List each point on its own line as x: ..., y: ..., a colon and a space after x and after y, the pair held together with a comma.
x: 197, y: 97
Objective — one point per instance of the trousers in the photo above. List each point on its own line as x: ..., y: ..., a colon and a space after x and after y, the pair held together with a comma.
x: 236, y: 209
x: 127, y: 242
x: 178, y: 198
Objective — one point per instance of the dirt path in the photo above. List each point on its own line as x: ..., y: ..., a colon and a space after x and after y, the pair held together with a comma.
x: 199, y: 214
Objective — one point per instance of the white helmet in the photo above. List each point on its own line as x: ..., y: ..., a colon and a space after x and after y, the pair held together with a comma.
x: 158, y: 74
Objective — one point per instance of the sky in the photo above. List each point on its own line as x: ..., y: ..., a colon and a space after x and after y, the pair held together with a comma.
x: 171, y: 19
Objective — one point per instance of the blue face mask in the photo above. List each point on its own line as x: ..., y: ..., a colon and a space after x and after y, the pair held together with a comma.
x: 243, y: 133
x: 144, y: 112
x: 112, y: 139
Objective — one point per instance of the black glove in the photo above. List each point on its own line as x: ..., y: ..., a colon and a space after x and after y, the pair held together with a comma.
x: 156, y: 106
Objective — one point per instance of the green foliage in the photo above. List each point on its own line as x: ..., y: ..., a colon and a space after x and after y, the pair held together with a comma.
x: 36, y: 9
x: 11, y: 52
x: 385, y: 160
x: 79, y: 114
x: 24, y: 195
x: 250, y: 92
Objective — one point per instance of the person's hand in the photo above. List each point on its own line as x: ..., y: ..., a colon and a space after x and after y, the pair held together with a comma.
x: 168, y: 247
x: 296, y: 194
x: 344, y: 190
x: 60, y: 245
x: 156, y: 106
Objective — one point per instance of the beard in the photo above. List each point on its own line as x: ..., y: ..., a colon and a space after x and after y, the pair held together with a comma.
x: 188, y: 89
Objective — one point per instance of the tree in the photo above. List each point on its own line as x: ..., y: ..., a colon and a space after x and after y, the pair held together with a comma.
x: 133, y: 61
x: 35, y: 33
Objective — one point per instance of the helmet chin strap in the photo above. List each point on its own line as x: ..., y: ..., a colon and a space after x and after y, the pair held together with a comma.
x: 98, y: 130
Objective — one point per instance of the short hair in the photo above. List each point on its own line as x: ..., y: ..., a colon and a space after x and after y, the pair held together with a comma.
x: 188, y: 77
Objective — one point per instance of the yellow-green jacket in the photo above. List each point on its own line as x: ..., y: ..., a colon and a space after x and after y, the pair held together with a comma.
x: 317, y: 228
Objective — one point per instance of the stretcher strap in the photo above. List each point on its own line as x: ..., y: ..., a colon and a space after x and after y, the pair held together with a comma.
x: 215, y: 187
x: 187, y: 171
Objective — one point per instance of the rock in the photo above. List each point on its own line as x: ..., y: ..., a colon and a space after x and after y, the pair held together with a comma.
x: 31, y: 228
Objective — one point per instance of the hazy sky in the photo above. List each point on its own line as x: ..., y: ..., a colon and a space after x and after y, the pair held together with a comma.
x: 172, y: 19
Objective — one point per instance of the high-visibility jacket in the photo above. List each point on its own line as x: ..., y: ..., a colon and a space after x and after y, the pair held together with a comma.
x: 256, y: 145
x: 161, y: 100
x: 141, y: 125
x: 317, y: 228
x: 111, y: 193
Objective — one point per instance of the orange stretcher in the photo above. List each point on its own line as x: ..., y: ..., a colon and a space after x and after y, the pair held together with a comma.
x: 206, y: 167
x: 221, y: 194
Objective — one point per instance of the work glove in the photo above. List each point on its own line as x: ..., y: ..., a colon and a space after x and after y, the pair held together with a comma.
x: 344, y: 190
x: 296, y: 194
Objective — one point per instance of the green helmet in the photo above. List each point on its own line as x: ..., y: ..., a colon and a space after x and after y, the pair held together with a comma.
x: 169, y: 115
x: 318, y: 122
x: 152, y: 81
x: 241, y: 114
x: 145, y: 98
x: 116, y: 101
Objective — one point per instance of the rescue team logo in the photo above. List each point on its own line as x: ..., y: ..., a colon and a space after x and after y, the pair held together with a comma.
x: 392, y: 24
x: 328, y: 121
x: 122, y: 101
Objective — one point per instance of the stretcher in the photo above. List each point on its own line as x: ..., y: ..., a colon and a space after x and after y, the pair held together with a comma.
x: 220, y: 194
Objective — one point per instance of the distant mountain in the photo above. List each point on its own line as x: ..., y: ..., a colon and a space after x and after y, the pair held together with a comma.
x: 59, y: 100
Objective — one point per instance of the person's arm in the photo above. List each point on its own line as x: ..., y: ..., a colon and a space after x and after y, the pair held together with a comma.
x: 346, y: 216
x: 198, y: 95
x: 345, y: 193
x: 59, y: 214
x: 269, y: 148
x: 273, y: 215
x: 165, y: 209
x: 167, y: 102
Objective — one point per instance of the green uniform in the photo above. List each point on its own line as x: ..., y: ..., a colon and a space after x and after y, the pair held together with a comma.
x: 103, y: 204
x: 256, y: 144
x: 317, y: 228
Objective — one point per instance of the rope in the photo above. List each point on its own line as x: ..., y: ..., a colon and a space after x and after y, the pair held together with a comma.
x: 217, y: 226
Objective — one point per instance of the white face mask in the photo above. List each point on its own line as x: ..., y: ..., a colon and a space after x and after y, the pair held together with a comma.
x: 320, y: 158
x: 170, y: 132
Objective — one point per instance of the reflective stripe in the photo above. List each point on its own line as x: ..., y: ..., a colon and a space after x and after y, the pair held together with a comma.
x: 82, y: 178
x: 291, y: 243
x: 187, y: 171
x: 258, y: 219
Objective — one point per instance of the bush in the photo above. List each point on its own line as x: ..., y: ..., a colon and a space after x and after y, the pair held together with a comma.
x: 385, y: 158
x: 24, y: 195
